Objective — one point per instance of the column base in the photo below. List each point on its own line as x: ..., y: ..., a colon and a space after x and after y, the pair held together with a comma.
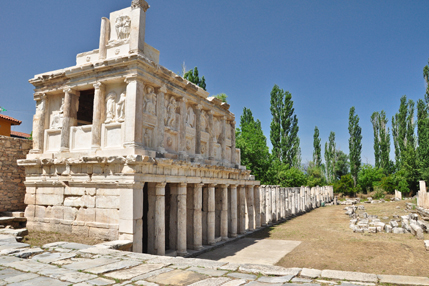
x: 182, y: 253
x: 198, y: 247
x: 225, y: 238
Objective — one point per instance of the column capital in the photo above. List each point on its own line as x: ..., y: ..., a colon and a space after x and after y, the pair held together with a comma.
x: 160, y: 189
x: 98, y: 85
x: 183, y: 99
x: 233, y: 122
x: 223, y: 185
x: 198, y: 185
x: 233, y: 186
x: 211, y: 185
x: 198, y: 107
x: 70, y: 90
x: 210, y: 112
x: 163, y: 88
x: 131, y: 77
x: 39, y: 96
x: 223, y: 118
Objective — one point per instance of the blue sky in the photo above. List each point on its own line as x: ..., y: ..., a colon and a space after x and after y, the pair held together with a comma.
x: 330, y: 55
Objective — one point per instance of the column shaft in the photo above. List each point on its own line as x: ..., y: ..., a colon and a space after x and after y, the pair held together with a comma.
x: 134, y: 111
x: 223, y: 140
x: 211, y: 215
x: 233, y: 206
x: 257, y: 199
x: 198, y: 130
x: 224, y: 213
x: 198, y: 228
x: 181, y: 219
x: 233, y: 157
x: 70, y: 116
x: 211, y: 136
x: 250, y: 208
x: 98, y: 115
x: 242, y: 210
x: 160, y: 219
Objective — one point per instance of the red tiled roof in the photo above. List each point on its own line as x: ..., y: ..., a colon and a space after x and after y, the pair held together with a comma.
x: 19, y: 134
x: 13, y: 120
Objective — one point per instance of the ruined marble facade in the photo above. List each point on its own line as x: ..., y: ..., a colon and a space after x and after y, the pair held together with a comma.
x: 126, y: 149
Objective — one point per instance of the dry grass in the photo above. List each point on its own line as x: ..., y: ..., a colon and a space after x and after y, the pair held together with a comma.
x: 329, y: 243
x: 39, y: 238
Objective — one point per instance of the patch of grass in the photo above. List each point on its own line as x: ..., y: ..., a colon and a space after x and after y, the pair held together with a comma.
x: 39, y: 238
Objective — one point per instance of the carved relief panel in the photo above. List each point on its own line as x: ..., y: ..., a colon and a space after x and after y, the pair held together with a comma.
x: 56, y: 104
x: 115, y: 107
x: 171, y: 123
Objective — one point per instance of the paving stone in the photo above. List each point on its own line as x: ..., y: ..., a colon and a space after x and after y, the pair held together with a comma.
x: 49, y: 257
x: 116, y: 244
x: 8, y: 259
x: 271, y: 279
x: 310, y: 273
x: 113, y: 266
x: 199, y: 262
x: 13, y: 245
x: 211, y: 282
x: 28, y: 265
x: 327, y: 282
x: 54, y: 272
x: 305, y: 284
x: 208, y: 271
x: 41, y: 281
x: 235, y: 282
x: 231, y: 266
x: 177, y: 277
x: 6, y: 238
x: 347, y: 275
x: 28, y: 252
x: 404, y: 280
x: 73, y: 245
x: 77, y: 277
x: 269, y: 270
x: 140, y: 256
x: 20, y: 278
x: 146, y: 283
x: 153, y: 273
x: 257, y: 283
x: 301, y: 280
x: 54, y: 244
x: 7, y: 273
x: 89, y: 263
x: 135, y: 271
x: 356, y: 284
x: 103, y: 251
x: 242, y: 276
x: 100, y: 281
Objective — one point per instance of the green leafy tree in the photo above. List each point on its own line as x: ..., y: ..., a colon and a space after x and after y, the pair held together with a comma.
x: 341, y: 166
x: 369, y: 177
x: 317, y: 148
x: 330, y: 158
x: 345, y: 185
x: 291, y: 177
x: 221, y: 96
x: 315, y: 175
x: 284, y: 128
x: 192, y: 76
x: 355, y: 144
x: 375, y: 126
x: 381, y: 140
x: 253, y: 144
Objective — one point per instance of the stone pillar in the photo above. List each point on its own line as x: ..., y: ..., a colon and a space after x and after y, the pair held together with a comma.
x: 182, y: 128
x: 250, y: 208
x: 198, y: 228
x: 130, y: 215
x: 242, y: 211
x: 211, y: 135
x: 269, y: 204
x: 160, y: 119
x: 138, y: 25
x: 233, y: 206
x: 71, y: 105
x: 160, y: 219
x: 99, y: 111
x: 223, y: 140
x: 233, y: 157
x: 181, y: 219
x: 211, y: 215
x: 198, y: 129
x: 257, y: 199
x: 134, y: 111
x: 224, y: 213
x: 262, y: 191
x: 39, y: 123
x: 104, y: 38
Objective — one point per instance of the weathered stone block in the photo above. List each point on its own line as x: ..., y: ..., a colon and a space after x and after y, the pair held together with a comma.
x: 104, y: 234
x: 110, y: 216
x: 107, y: 202
x: 86, y: 215
x: 49, y: 199
x: 70, y: 213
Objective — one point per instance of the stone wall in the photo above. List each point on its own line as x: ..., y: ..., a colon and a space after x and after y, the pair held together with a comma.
x: 12, y: 177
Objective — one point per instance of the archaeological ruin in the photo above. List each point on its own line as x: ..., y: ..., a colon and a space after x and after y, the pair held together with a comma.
x: 124, y: 148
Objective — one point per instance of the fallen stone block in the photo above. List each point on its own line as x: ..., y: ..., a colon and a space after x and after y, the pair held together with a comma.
x: 398, y: 230
x: 394, y: 223
x: 372, y: 229
x: 417, y: 231
x: 388, y: 228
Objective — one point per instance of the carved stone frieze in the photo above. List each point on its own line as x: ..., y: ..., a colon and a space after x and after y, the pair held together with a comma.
x: 115, y: 108
x: 150, y: 101
x: 123, y: 27
x: 170, y: 117
x: 190, y: 117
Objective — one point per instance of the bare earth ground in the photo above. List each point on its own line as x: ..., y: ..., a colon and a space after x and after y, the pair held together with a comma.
x: 39, y: 238
x: 329, y: 243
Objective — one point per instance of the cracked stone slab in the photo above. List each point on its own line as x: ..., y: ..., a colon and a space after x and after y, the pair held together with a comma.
x: 235, y: 282
x: 348, y: 275
x: 230, y: 266
x: 54, y: 244
x: 6, y: 238
x: 54, y: 272
x: 41, y: 281
x: 102, y: 251
x: 49, y: 257
x: 145, y: 283
x: 7, y: 273
x: 12, y: 246
x: 208, y: 271
x: 76, y: 277
x: 152, y: 273
x: 89, y: 263
x: 25, y: 253
x: 113, y: 266
x: 301, y: 280
x: 211, y: 282
x: 135, y: 271
x: 404, y: 280
x: 249, y: 277
x: 73, y: 245
x: 100, y: 281
x: 269, y: 270
x: 28, y: 265
x: 257, y: 283
x: 270, y: 279
x: 310, y: 273
x: 21, y: 277
x: 177, y: 277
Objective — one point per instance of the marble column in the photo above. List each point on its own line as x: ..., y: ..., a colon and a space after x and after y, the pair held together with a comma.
x: 211, y: 216
x: 233, y: 206
x: 181, y: 219
x: 262, y: 190
x: 211, y: 135
x: 99, y: 111
x: 134, y: 111
x: 71, y: 105
x: 233, y: 157
x: 104, y: 38
x: 160, y: 118
x: 39, y: 123
x: 198, y: 129
x: 160, y: 219
x: 250, y: 208
x: 198, y: 228
x: 224, y: 213
x: 130, y: 215
x: 223, y: 140
x: 242, y: 210
x: 257, y: 199
x: 269, y: 205
x: 138, y: 25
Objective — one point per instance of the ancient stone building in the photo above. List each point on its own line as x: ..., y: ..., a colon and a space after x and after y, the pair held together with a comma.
x: 126, y: 149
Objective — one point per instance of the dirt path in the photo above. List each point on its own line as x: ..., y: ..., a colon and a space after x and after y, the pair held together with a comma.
x: 329, y: 243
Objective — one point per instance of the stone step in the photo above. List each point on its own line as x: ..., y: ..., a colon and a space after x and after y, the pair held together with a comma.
x: 15, y: 232
x: 12, y: 214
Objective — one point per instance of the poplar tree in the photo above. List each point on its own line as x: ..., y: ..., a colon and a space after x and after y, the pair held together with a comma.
x: 317, y: 148
x: 375, y: 126
x: 355, y: 144
x: 381, y: 140
x: 330, y: 158
x: 284, y: 128
x: 423, y: 129
x: 192, y: 76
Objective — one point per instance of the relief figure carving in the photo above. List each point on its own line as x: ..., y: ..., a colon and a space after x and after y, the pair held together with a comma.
x: 123, y: 27
x: 217, y: 129
x: 120, y: 108
x: 110, y: 107
x: 203, y: 121
x: 171, y: 112
x: 190, y: 117
x: 57, y: 116
x: 150, y: 101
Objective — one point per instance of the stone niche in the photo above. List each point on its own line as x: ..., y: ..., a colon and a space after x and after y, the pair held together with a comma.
x: 126, y: 149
